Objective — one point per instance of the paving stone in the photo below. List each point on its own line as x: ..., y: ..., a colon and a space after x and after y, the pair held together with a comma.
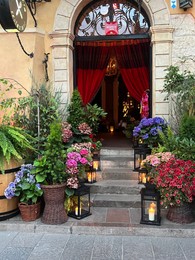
x: 118, y: 216
x: 16, y: 253
x: 107, y: 248
x: 137, y: 248
x: 6, y: 238
x: 26, y: 240
x: 78, y: 248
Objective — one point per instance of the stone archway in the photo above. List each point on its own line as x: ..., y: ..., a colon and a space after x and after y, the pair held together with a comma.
x: 62, y: 44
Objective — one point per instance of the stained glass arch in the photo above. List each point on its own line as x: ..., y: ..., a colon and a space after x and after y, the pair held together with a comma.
x: 119, y: 17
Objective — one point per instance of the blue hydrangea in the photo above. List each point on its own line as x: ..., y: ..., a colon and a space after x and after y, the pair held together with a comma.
x: 10, y: 190
x: 148, y: 129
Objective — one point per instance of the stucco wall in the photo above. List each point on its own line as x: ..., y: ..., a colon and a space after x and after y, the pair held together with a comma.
x: 172, y: 36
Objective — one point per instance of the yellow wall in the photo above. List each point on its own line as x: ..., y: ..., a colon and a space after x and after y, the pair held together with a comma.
x: 15, y: 64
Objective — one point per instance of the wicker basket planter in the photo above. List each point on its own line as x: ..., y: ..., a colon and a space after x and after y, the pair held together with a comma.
x: 29, y: 212
x: 182, y: 214
x: 54, y: 211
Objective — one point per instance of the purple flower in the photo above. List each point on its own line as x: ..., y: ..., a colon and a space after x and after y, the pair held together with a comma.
x: 71, y: 163
x: 158, y: 120
x: 153, y: 131
x: 10, y: 190
x: 145, y: 136
x: 74, y: 156
x: 38, y: 186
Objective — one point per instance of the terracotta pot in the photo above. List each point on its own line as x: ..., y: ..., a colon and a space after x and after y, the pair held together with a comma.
x: 181, y: 214
x: 54, y: 197
x: 29, y: 212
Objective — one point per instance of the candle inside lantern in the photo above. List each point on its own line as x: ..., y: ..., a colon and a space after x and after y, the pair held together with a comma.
x: 77, y: 211
x: 151, y: 211
x: 143, y: 178
x: 111, y: 129
x: 96, y: 165
x: 89, y: 177
x: 93, y: 176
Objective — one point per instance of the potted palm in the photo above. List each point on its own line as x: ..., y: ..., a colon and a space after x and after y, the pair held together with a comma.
x: 50, y: 173
x: 15, y: 144
x: 28, y: 191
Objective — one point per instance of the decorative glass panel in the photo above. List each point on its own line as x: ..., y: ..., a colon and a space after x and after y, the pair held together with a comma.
x: 112, y: 18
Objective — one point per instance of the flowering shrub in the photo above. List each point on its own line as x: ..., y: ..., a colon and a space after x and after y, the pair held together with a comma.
x: 148, y: 130
x: 156, y: 159
x: 175, y: 181
x: 24, y: 186
x: 72, y: 135
x: 78, y: 157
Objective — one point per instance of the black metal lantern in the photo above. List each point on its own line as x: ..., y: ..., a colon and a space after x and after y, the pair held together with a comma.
x: 96, y: 162
x: 91, y: 175
x: 140, y: 154
x: 150, y: 207
x: 81, y: 205
x: 142, y: 176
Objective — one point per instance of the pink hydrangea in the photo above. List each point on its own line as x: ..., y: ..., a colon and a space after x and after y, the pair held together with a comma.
x: 71, y: 163
x: 84, y: 152
x: 84, y: 128
x: 83, y: 161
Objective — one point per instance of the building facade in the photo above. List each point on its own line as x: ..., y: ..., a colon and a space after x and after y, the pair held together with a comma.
x: 172, y: 35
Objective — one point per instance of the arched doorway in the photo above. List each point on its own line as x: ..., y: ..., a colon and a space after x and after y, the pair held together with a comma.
x: 62, y: 39
x: 112, y: 57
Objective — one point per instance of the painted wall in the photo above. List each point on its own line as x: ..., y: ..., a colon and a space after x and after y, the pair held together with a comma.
x: 53, y: 35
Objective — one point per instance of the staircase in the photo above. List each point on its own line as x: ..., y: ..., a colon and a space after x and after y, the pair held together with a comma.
x: 117, y: 184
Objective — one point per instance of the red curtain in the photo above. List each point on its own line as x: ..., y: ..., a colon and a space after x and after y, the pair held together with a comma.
x: 133, y: 62
x: 91, y: 67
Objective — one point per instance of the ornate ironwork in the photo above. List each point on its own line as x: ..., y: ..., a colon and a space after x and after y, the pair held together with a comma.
x: 130, y: 18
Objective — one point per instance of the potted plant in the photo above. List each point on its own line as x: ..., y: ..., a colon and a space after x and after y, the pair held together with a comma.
x: 28, y: 191
x: 175, y: 179
x: 147, y: 132
x: 15, y: 144
x: 50, y: 173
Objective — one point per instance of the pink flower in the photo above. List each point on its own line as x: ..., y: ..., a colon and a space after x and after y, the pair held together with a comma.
x: 84, y: 128
x: 83, y: 161
x: 71, y: 163
x: 84, y: 152
x: 73, y: 183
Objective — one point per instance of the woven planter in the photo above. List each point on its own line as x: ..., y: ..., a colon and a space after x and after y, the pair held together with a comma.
x: 54, y: 211
x: 182, y: 214
x: 29, y: 212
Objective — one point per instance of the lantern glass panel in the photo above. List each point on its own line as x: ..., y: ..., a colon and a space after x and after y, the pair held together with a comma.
x: 150, y: 207
x: 81, y: 203
x: 139, y: 155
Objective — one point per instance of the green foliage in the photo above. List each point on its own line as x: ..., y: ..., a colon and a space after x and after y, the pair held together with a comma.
x: 76, y: 110
x: 93, y: 114
x: 50, y: 168
x: 35, y: 111
x: 15, y: 143
x: 90, y: 114
x: 187, y: 127
x: 182, y: 148
x: 183, y: 86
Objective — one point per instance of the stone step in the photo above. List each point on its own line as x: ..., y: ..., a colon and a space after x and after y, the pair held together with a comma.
x: 119, y: 174
x: 117, y: 162
x: 117, y: 152
x: 116, y: 187
x: 116, y: 200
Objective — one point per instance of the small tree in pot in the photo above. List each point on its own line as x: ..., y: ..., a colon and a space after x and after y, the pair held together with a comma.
x: 50, y: 172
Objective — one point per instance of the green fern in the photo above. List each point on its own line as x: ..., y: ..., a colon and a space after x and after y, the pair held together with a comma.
x: 14, y: 144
